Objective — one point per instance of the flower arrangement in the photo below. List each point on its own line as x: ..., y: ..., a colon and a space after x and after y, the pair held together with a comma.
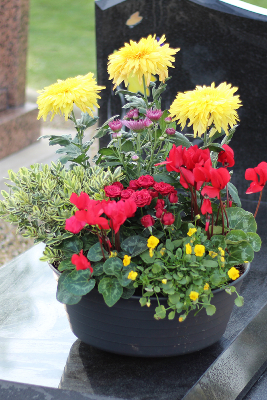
x: 155, y: 214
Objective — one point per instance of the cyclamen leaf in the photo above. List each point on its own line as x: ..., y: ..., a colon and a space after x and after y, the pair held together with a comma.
x: 134, y: 245
x: 78, y: 282
x: 113, y: 266
x: 111, y: 290
x: 241, y: 219
x: 254, y: 240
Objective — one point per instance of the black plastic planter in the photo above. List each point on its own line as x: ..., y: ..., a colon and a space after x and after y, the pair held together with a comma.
x: 129, y: 329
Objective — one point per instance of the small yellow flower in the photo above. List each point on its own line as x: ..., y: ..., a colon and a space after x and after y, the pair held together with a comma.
x: 151, y: 252
x: 164, y: 281
x: 197, y: 217
x: 132, y: 275
x: 113, y: 254
x: 162, y: 251
x: 213, y: 254
x: 188, y: 248
x: 233, y: 273
x: 152, y: 242
x: 206, y: 286
x: 148, y: 304
x: 222, y: 259
x: 194, y: 296
x: 199, y: 250
x: 191, y: 231
x: 126, y: 260
x: 221, y: 251
x: 181, y: 319
x: 246, y: 262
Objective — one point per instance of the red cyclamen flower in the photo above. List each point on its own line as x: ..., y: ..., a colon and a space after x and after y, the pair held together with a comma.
x: 154, y: 115
x: 206, y: 207
x: 74, y: 225
x: 147, y: 220
x: 81, y: 262
x: 81, y: 202
x: 259, y: 177
x: 226, y: 157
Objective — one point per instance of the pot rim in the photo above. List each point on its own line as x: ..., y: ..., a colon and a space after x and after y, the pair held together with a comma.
x: 246, y: 265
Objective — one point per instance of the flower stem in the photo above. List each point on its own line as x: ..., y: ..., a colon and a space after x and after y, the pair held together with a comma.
x: 144, y: 84
x: 258, y: 205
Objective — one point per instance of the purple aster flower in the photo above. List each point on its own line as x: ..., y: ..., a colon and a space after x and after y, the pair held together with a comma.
x: 139, y: 125
x: 170, y: 131
x: 115, y: 125
x: 154, y: 115
x: 132, y: 114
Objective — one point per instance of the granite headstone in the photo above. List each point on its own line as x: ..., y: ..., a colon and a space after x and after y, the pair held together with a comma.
x: 218, y: 43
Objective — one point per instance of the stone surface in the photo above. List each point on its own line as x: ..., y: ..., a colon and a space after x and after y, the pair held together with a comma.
x: 216, y: 46
x: 18, y: 128
x: 18, y: 124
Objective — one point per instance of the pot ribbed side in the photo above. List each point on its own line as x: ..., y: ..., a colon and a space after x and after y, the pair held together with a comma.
x: 129, y: 329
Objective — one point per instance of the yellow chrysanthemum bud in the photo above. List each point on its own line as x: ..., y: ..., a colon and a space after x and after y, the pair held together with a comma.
x: 233, y: 273
x: 152, y: 242
x: 181, y: 319
x: 194, y: 295
x: 164, y: 281
x: 148, y: 304
x: 206, y: 286
x: 199, y: 250
x: 188, y: 249
x: 126, y: 260
x: 132, y: 275
x: 163, y: 251
x: 191, y: 231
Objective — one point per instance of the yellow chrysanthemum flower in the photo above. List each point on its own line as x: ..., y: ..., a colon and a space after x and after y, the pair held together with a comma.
x: 152, y: 242
x: 199, y: 250
x: 132, y: 275
x: 126, y: 260
x: 191, y: 231
x: 233, y: 273
x: 146, y: 58
x: 60, y: 97
x: 205, y: 106
x: 194, y: 296
x: 206, y: 286
x: 188, y: 249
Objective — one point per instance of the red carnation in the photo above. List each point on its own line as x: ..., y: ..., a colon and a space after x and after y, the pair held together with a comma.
x: 173, y: 198
x: 159, y: 212
x: 133, y: 185
x: 168, y: 218
x: 81, y: 262
x: 112, y: 190
x: 127, y: 193
x: 147, y: 221
x: 119, y: 184
x: 142, y: 198
x: 164, y: 188
x: 153, y: 193
x: 145, y: 181
x: 160, y: 204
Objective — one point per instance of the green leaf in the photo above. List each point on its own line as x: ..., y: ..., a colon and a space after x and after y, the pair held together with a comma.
x: 146, y: 257
x: 134, y: 245
x: 63, y: 295
x: 63, y: 140
x: 174, y: 298
x: 160, y: 312
x: 106, y: 151
x: 234, y: 194
x: 235, y: 236
x: 127, y: 146
x: 156, y: 268
x: 143, y: 301
x: 165, y: 178
x: 240, y: 253
x: 111, y: 290
x: 123, y: 275
x: 104, y: 128
x: 239, y: 301
x: 71, y: 246
x: 213, y: 147
x: 209, y: 263
x: 210, y: 309
x: 179, y: 139
x: 78, y: 282
x: 127, y: 292
x: 171, y: 315
x: 98, y: 269
x: 113, y: 266
x: 254, y: 240
x: 95, y: 253
x: 169, y: 245
x: 66, y: 264
x: 241, y: 219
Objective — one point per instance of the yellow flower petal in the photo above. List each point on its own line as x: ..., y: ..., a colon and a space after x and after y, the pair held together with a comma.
x: 126, y: 260
x: 233, y: 273
x: 132, y: 275
x: 188, y: 249
x: 191, y: 231
x: 152, y: 242
x: 194, y: 295
x: 199, y: 250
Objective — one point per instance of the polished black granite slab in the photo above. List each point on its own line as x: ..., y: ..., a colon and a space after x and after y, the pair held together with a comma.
x: 37, y: 346
x: 217, y: 45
